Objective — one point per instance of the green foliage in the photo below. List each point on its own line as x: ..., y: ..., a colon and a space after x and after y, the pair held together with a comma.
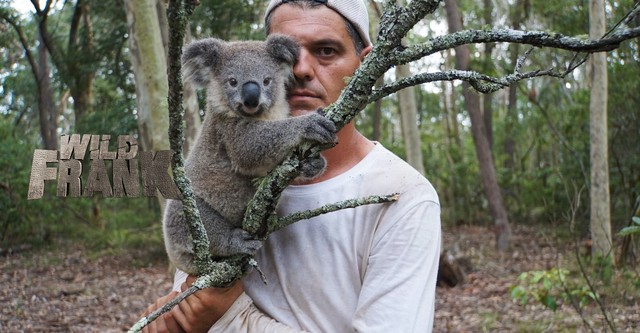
x: 23, y: 221
x: 624, y: 121
x: 549, y: 287
x: 228, y: 19
x: 633, y: 229
x: 98, y: 222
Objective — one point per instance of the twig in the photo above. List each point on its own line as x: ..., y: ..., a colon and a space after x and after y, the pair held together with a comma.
x: 295, y: 217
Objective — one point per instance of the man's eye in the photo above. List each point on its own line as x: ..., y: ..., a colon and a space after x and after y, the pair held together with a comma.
x: 326, y: 51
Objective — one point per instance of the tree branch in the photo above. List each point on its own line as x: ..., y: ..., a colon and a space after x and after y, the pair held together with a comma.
x: 295, y: 217
x: 178, y: 14
x: 534, y: 38
x: 12, y: 20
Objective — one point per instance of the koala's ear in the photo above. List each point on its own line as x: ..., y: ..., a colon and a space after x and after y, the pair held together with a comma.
x: 283, y: 48
x: 199, y: 59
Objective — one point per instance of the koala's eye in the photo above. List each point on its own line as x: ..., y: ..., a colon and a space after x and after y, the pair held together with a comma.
x: 267, y: 81
x: 233, y: 82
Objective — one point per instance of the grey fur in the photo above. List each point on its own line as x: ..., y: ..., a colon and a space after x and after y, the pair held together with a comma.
x: 247, y: 131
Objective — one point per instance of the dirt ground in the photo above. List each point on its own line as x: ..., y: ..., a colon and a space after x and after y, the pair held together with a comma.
x: 67, y: 292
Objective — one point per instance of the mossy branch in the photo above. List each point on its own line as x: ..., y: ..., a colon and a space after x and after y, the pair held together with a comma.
x: 351, y: 203
x: 178, y: 14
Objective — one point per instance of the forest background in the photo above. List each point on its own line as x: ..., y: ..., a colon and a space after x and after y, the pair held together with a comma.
x: 76, y: 67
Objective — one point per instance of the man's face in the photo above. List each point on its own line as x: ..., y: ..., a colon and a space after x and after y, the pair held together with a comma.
x: 327, y: 54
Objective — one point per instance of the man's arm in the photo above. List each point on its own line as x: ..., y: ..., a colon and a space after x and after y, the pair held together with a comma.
x: 196, y: 313
x: 398, y: 289
x: 212, y: 310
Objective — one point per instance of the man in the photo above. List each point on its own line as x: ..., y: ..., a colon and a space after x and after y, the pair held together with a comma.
x: 368, y: 269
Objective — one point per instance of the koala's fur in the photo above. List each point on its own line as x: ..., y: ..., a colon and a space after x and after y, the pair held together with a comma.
x: 246, y: 132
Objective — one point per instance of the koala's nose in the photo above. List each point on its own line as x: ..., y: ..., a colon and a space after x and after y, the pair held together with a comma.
x: 250, y: 94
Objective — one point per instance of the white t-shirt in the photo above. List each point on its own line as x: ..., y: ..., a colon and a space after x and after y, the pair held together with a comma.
x: 368, y: 269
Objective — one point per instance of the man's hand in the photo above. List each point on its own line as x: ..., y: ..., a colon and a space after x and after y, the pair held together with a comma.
x: 165, y: 323
x: 196, y: 313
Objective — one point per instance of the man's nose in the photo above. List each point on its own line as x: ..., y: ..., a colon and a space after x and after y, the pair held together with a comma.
x: 303, y: 69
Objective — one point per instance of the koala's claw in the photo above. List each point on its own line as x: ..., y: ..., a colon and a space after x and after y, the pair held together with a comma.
x: 312, y: 167
x: 320, y: 129
x: 241, y: 241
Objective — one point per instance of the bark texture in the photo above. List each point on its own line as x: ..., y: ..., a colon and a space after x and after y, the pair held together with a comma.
x: 599, y: 190
x: 150, y: 71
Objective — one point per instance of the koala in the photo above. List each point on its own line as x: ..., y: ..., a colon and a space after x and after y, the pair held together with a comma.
x: 247, y: 130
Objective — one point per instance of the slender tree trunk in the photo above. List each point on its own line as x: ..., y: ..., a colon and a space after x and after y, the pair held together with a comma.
x: 451, y: 190
x: 487, y: 99
x: 79, y: 71
x: 150, y: 71
x: 149, y: 60
x: 409, y: 118
x: 512, y: 96
x: 483, y: 151
x: 600, y: 209
x: 409, y: 121
x: 191, y: 108
x: 46, y: 107
x: 637, y: 22
x: 376, y: 115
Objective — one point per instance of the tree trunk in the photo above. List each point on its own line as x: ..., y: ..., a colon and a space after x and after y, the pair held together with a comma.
x: 376, y: 115
x: 600, y: 209
x: 79, y: 70
x: 409, y: 121
x: 483, y: 151
x: 150, y: 71
x: 487, y: 99
x: 148, y: 57
x: 409, y: 118
x: 46, y: 107
x: 191, y: 108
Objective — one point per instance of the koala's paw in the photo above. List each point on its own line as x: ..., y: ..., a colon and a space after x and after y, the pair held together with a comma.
x: 312, y: 167
x: 320, y: 129
x: 243, y: 242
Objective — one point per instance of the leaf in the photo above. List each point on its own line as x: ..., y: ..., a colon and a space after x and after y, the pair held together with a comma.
x: 517, y: 292
x: 636, y: 220
x: 550, y: 302
x: 630, y: 230
x: 523, y: 276
x: 547, y: 283
x: 537, y: 276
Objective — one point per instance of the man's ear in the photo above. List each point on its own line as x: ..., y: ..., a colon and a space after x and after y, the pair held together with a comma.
x: 283, y: 48
x: 364, y: 52
x: 199, y: 59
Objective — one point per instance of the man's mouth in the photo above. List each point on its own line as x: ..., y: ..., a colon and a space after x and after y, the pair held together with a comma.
x: 302, y: 93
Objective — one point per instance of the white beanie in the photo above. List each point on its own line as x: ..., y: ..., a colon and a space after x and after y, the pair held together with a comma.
x: 355, y: 11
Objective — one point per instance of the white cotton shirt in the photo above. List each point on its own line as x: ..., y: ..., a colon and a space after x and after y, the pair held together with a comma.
x: 368, y: 269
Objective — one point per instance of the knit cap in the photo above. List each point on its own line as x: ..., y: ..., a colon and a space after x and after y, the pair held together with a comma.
x: 355, y: 11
